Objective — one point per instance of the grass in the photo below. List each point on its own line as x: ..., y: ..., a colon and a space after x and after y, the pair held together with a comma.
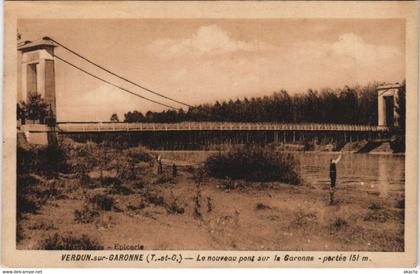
x: 253, y: 163
x: 70, y: 242
x: 193, y: 156
x: 164, y: 178
x: 375, y: 206
x: 172, y: 207
x: 340, y: 224
x: 304, y: 219
x: 86, y: 215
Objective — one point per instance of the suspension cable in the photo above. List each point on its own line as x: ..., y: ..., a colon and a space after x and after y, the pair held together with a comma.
x: 112, y: 84
x: 116, y: 75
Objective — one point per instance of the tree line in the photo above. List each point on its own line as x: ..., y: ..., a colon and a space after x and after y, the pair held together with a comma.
x: 348, y: 105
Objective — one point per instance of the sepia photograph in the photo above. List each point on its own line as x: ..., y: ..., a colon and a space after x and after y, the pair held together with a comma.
x: 225, y: 134
x: 215, y: 134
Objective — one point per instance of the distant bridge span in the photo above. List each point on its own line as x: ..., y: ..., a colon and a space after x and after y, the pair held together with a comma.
x: 196, y: 134
x: 74, y: 127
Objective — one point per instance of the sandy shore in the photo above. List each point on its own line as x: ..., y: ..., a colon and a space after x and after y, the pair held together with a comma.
x: 161, y: 212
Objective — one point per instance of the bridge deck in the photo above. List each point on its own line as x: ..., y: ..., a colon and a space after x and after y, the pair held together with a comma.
x: 211, y: 126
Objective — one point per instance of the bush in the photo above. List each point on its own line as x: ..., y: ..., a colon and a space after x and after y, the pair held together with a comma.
x: 70, y: 242
x: 253, y: 164
x: 140, y: 154
x: 400, y: 203
x: 78, y: 149
x: 26, y: 200
x: 261, y: 206
x: 200, y: 174
x: 398, y: 144
x: 227, y: 184
x: 43, y: 160
x: 127, y: 170
x: 156, y: 200
x: 164, y: 179
x: 340, y: 224
x: 32, y: 193
x: 375, y: 206
x: 174, y: 208
x: 377, y: 216
x: 102, y: 202
x: 121, y: 190
x: 138, y: 184
x: 87, y: 181
x: 111, y: 182
x: 19, y: 232
x: 85, y: 215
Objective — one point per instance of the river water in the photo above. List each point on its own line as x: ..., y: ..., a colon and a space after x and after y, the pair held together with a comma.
x: 380, y: 174
x: 383, y: 174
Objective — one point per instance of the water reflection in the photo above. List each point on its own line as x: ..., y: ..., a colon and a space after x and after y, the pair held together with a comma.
x: 383, y: 174
x: 379, y: 174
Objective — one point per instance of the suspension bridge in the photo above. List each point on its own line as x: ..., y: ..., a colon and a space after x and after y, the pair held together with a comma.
x: 38, y: 76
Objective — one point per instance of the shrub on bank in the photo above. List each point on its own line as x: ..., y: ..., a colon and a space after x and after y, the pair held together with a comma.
x: 26, y: 200
x: 70, y: 242
x: 32, y: 193
x: 85, y: 215
x: 127, y: 170
x: 140, y: 154
x: 253, y: 164
x: 164, y: 179
x: 102, y: 202
x: 44, y: 160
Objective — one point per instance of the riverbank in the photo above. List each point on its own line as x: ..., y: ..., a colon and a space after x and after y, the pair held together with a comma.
x: 115, y: 198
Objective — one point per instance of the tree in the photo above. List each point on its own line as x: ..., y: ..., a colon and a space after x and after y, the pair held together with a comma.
x: 133, y: 117
x: 350, y: 105
x: 114, y: 118
x: 34, y: 109
x: 20, y: 112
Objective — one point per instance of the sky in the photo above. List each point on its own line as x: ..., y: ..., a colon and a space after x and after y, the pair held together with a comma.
x: 203, y: 60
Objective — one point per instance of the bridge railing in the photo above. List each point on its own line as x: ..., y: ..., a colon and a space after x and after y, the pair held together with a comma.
x: 212, y: 126
x: 34, y: 128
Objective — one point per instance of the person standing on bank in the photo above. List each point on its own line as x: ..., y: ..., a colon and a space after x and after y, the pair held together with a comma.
x: 159, y: 164
x: 333, y: 177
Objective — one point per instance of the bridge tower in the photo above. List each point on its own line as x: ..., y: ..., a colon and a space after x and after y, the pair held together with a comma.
x: 38, y: 74
x: 387, y: 105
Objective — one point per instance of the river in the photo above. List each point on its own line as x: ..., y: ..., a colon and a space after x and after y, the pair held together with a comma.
x: 380, y: 174
x: 383, y: 174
